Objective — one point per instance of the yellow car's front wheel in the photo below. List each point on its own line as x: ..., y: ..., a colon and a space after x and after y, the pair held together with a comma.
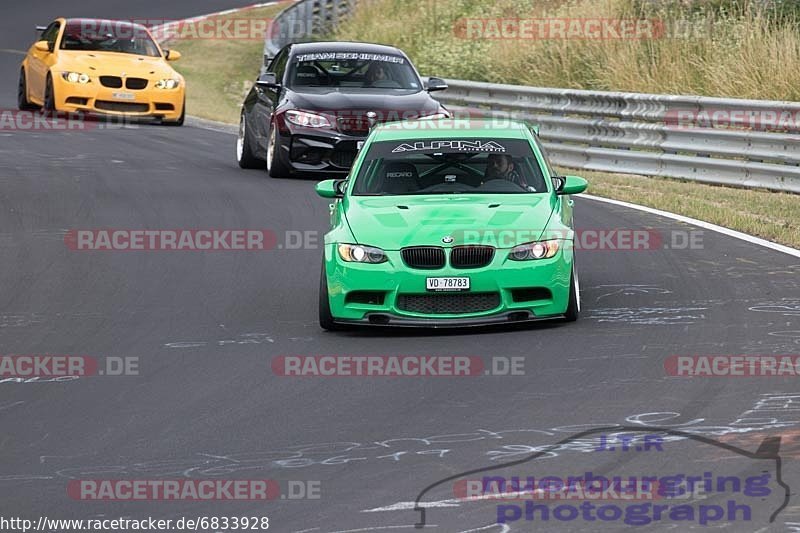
x: 49, y: 106
x: 22, y: 93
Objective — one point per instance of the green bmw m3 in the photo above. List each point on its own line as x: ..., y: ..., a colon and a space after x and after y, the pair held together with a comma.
x: 449, y: 223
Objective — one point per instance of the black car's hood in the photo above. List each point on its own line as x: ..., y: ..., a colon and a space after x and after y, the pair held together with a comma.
x: 335, y: 100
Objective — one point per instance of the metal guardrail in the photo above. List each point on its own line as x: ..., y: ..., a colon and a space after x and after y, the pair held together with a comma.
x: 304, y: 20
x: 633, y: 133
x: 651, y: 134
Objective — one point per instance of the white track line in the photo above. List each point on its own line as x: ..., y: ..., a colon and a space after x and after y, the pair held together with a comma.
x: 705, y: 225
x: 211, y: 125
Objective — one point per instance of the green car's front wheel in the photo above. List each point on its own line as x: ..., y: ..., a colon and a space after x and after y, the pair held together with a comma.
x: 325, y: 316
x: 574, y: 305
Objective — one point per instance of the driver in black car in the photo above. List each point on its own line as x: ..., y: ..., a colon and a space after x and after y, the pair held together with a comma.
x: 502, y: 167
x: 377, y: 72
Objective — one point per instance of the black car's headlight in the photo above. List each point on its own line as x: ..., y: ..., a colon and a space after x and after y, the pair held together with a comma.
x: 534, y: 250
x: 309, y: 120
x: 357, y: 253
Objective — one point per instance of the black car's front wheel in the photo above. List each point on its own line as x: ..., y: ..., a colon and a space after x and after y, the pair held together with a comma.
x: 275, y: 166
x: 244, y: 155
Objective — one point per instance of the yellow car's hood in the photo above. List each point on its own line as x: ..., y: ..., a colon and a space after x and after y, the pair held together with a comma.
x: 115, y: 64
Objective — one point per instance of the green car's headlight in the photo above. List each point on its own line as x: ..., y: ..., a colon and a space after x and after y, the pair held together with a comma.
x: 534, y: 250
x: 356, y: 253
x: 76, y: 77
x: 168, y: 84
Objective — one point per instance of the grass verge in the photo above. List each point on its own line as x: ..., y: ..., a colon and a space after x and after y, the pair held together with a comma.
x: 769, y: 215
x: 219, y: 72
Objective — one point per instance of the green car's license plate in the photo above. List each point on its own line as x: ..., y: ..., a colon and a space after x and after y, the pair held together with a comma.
x: 447, y: 284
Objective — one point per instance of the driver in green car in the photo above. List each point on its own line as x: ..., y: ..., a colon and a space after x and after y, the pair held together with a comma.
x: 501, y: 166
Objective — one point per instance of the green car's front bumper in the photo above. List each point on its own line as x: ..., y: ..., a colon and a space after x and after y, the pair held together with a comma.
x: 393, y: 294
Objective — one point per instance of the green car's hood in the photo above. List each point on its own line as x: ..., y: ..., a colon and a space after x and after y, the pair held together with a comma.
x: 502, y: 220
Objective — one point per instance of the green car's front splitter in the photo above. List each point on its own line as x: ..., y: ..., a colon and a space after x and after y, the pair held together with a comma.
x: 393, y: 294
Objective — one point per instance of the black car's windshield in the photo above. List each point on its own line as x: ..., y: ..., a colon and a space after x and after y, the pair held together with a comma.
x: 108, y: 36
x: 452, y: 166
x: 355, y: 70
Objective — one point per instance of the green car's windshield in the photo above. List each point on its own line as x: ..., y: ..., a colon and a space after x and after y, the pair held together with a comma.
x: 451, y: 166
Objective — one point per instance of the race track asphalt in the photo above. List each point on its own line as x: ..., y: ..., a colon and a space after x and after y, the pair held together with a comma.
x: 205, y: 327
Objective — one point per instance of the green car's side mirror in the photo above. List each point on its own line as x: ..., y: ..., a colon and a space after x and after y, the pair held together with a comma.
x: 330, y: 188
x: 572, y: 185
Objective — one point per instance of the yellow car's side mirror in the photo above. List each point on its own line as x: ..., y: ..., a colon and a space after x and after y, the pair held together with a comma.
x: 172, y: 55
x: 42, y: 46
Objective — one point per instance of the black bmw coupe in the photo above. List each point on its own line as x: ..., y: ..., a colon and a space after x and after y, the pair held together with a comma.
x: 310, y: 110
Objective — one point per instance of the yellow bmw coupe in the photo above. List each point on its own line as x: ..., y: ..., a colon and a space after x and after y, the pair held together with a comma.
x: 101, y: 66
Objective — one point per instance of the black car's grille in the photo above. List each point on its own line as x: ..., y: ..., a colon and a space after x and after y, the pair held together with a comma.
x: 121, y: 107
x: 135, y: 84
x: 471, y: 256
x: 112, y: 82
x: 426, y: 257
x: 353, y: 124
x: 448, y: 303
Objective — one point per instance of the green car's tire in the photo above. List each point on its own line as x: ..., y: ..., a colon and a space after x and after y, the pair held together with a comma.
x: 574, y: 305
x: 325, y: 316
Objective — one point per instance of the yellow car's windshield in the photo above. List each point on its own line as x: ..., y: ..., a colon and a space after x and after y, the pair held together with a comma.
x: 108, y: 36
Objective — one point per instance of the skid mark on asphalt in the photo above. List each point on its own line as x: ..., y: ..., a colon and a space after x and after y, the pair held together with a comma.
x: 626, y: 290
x: 649, y: 316
x: 785, y: 306
x: 244, y: 338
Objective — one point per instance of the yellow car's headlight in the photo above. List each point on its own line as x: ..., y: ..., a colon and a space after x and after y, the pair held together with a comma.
x: 76, y: 77
x: 168, y: 84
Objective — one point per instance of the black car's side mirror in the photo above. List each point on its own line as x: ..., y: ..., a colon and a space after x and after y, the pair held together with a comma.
x: 267, y: 80
x: 436, y: 84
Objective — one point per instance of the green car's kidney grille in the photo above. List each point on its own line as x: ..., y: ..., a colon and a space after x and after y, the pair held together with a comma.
x: 425, y: 257
x: 471, y: 256
x: 448, y: 304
